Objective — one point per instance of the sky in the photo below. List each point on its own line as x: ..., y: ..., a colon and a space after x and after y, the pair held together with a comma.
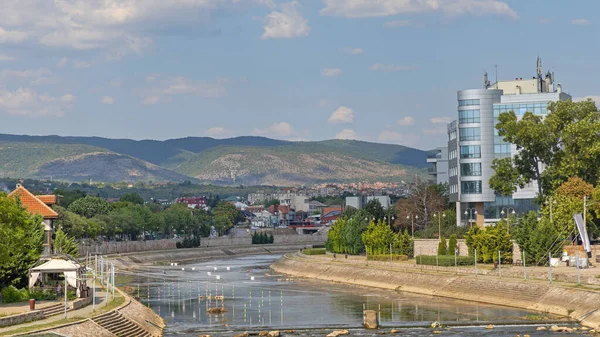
x: 376, y: 70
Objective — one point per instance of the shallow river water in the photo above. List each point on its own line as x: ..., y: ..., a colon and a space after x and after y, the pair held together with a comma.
x: 254, y: 300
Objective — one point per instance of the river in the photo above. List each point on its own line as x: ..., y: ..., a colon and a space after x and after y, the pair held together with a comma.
x: 257, y: 300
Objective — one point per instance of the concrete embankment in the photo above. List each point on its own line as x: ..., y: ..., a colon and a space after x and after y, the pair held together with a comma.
x: 132, y: 260
x: 579, y: 304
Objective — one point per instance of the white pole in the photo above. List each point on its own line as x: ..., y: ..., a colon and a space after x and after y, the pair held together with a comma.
x: 524, y: 268
x: 94, y: 293
x: 577, y: 266
x: 113, y: 279
x: 475, y: 261
x: 390, y: 254
x: 499, y: 265
x: 65, y: 296
x: 550, y: 264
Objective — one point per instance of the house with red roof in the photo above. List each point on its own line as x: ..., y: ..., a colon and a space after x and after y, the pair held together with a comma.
x: 39, y: 205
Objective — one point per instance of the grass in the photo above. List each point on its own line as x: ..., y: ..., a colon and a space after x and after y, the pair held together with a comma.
x: 119, y: 300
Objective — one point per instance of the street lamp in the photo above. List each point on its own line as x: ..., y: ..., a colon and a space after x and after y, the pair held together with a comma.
x: 437, y: 215
x: 470, y: 212
x: 388, y: 219
x: 508, y: 210
x: 413, y: 217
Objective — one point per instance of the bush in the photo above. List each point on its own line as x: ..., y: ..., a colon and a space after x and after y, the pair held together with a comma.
x: 262, y: 238
x: 452, y: 244
x: 383, y: 257
x: 40, y: 295
x: 444, y: 260
x: 11, y: 294
x: 442, y: 249
x: 188, y: 242
x: 313, y: 251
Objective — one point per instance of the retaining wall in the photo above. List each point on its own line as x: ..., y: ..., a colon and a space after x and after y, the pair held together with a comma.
x: 575, y: 303
x: 21, y: 318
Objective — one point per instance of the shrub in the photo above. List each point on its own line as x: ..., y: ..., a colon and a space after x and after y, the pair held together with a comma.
x: 262, y: 238
x: 11, y: 294
x: 452, y: 244
x: 40, y: 295
x: 313, y: 251
x: 442, y: 249
x: 444, y: 260
x: 383, y: 257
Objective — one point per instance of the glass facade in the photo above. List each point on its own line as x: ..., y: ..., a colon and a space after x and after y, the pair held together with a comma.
x: 467, y: 134
x: 470, y: 187
x: 502, y: 149
x: 468, y: 116
x: 470, y: 151
x: 468, y: 102
x: 470, y: 169
x: 540, y: 108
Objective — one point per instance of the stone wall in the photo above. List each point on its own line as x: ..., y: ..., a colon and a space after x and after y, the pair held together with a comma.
x: 21, y: 318
x: 121, y: 247
x: 430, y: 246
x: 578, y: 304
x: 144, y: 317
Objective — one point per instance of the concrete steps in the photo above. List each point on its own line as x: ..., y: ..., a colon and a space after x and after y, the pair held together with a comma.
x: 120, y: 325
x: 53, y: 310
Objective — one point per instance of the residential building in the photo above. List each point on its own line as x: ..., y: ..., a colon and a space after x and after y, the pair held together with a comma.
x: 193, y: 202
x: 39, y: 205
x: 439, y: 165
x: 473, y: 143
x: 359, y: 202
x: 384, y: 200
x: 315, y: 206
x: 355, y: 202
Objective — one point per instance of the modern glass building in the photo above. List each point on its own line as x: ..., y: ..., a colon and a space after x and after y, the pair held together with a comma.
x: 473, y: 143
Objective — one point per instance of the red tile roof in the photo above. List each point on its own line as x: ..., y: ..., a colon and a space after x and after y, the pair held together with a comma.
x: 47, y: 199
x: 33, y: 204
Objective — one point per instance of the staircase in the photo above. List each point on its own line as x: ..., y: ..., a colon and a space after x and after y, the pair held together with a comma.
x: 52, y: 310
x: 119, y: 325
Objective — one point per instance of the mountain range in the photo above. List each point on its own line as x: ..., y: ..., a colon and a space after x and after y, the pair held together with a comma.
x: 240, y: 160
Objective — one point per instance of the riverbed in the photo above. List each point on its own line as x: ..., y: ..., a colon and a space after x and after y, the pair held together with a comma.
x: 254, y: 299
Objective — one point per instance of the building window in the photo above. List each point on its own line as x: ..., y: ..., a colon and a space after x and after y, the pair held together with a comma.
x: 520, y: 109
x: 467, y: 134
x: 452, y: 135
x: 470, y: 169
x: 502, y: 149
x: 468, y: 102
x: 471, y: 187
x: 470, y: 151
x: 468, y: 116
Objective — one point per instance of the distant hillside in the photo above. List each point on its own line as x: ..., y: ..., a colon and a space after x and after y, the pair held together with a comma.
x: 240, y: 160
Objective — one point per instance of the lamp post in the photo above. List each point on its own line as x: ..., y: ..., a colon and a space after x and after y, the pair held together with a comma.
x: 470, y: 212
x: 508, y: 213
x: 439, y: 217
x: 550, y: 202
x: 413, y: 217
x: 388, y: 219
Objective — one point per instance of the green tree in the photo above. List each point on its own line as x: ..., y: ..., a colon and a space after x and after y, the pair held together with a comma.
x: 403, y: 244
x: 89, y: 206
x: 63, y: 244
x: 352, y: 235
x: 133, y: 198
x: 537, y: 238
x: 377, y: 238
x: 335, y: 235
x: 271, y: 202
x: 21, y: 239
x: 488, y: 242
x: 374, y: 208
x: 75, y: 225
x: 67, y: 197
x: 225, y: 216
x: 442, y: 248
x: 452, y: 244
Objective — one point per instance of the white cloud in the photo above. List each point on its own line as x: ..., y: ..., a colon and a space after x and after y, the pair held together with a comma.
x: 440, y: 120
x: 545, y: 20
x: 346, y: 134
x: 341, y: 115
x: 406, y: 121
x: 390, y: 67
x: 79, y: 64
x: 27, y: 102
x: 183, y: 86
x: 285, y: 24
x: 387, y: 136
x: 107, y: 100
x: 581, y: 22
x: 116, y: 26
x: 352, y: 51
x: 62, y: 62
x: 280, y: 129
x: 435, y: 131
x: 331, y: 72
x: 32, y: 76
x: 370, y: 8
x: 5, y: 57
x: 596, y: 99
x: 217, y: 132
x: 397, y: 23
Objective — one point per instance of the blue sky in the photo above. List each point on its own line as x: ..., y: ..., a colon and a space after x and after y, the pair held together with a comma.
x: 376, y: 70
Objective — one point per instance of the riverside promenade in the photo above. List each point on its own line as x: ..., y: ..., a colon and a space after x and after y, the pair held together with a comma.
x: 486, y: 284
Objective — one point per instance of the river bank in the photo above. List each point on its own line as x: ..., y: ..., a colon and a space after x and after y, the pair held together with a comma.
x: 578, y: 304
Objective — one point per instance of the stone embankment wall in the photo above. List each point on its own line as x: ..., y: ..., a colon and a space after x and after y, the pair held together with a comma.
x: 430, y: 246
x: 121, y: 247
x: 578, y: 304
x: 21, y: 318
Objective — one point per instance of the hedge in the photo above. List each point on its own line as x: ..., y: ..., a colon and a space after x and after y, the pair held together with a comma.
x: 395, y: 257
x: 444, y: 260
x: 314, y: 251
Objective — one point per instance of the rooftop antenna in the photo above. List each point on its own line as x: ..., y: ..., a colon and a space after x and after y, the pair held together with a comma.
x: 496, y: 67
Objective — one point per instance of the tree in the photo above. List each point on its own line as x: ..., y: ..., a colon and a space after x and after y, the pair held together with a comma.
x: 133, y: 198
x: 422, y: 202
x: 89, y: 206
x: 352, y: 235
x: 452, y: 244
x: 63, y: 244
x: 537, y: 238
x: 225, y: 216
x: 374, y: 209
x: 75, y: 225
x: 271, y: 202
x: 568, y: 200
x: 377, y: 238
x: 488, y: 242
x: 565, y: 142
x: 21, y: 240
x: 67, y: 197
x: 442, y: 248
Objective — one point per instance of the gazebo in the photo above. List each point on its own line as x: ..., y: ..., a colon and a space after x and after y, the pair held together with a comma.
x: 74, y: 273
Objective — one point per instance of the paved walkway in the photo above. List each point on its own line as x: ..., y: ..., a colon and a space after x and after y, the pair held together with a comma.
x: 82, y: 313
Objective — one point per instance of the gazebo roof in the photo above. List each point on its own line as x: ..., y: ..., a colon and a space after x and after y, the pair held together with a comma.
x: 57, y: 266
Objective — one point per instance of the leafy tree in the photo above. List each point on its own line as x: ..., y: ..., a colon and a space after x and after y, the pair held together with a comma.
x: 67, y: 197
x: 374, y: 209
x: 539, y: 237
x: 21, y: 239
x: 404, y: 244
x: 133, y: 198
x: 352, y: 235
x: 567, y: 201
x: 63, y: 244
x: 442, y: 248
x: 377, y: 238
x: 225, y: 216
x: 75, y: 225
x: 488, y: 242
x: 422, y: 202
x: 452, y: 244
x: 89, y: 206
x: 506, y: 178
x: 271, y: 202
x: 335, y: 235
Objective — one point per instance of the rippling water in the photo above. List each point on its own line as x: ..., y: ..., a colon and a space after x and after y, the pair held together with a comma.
x: 256, y: 300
